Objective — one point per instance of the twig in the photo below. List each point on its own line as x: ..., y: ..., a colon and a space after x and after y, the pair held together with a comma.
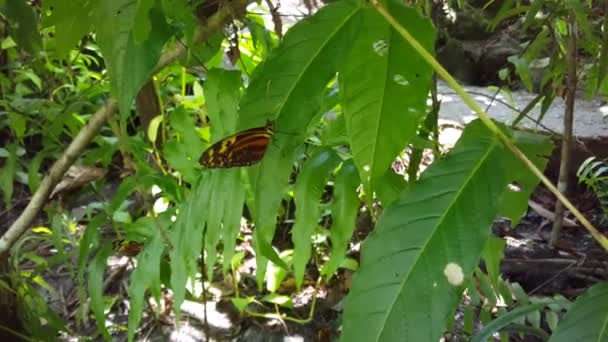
x: 89, y: 131
x: 276, y: 19
x: 562, y: 183
x: 506, y: 104
x: 550, y: 215
x: 574, y: 262
x: 282, y: 14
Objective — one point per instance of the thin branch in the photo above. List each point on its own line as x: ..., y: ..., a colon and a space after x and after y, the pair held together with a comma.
x: 562, y: 183
x: 276, y: 18
x: 506, y: 104
x: 89, y: 131
x: 281, y: 14
x: 549, y: 215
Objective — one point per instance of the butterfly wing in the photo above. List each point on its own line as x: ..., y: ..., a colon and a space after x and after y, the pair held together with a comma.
x: 126, y: 247
x: 241, y: 149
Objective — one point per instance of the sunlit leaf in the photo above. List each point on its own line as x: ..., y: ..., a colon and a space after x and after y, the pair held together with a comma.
x: 241, y: 303
x: 275, y: 273
x: 153, y: 128
x: 278, y: 299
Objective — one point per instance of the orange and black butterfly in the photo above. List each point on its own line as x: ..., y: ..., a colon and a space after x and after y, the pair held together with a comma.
x: 126, y: 247
x: 244, y: 148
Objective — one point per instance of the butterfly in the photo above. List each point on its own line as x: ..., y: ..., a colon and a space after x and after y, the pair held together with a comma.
x: 244, y: 148
x: 126, y: 247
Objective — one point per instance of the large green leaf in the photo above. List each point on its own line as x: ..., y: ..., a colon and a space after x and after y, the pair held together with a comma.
x: 344, y: 209
x: 145, y: 276
x: 72, y: 20
x: 89, y: 237
x: 222, y: 93
x: 95, y: 281
x: 384, y: 85
x: 515, y: 200
x: 7, y: 175
x: 24, y: 24
x: 182, y: 13
x: 183, y: 153
x: 187, y: 237
x: 290, y: 88
x: 513, y: 316
x: 129, y: 63
x: 603, y: 58
x: 309, y: 188
x: 142, y: 25
x: 587, y: 319
x: 233, y: 211
x: 426, y: 244
x: 220, y: 182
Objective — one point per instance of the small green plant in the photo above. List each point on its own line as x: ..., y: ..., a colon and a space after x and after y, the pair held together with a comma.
x: 594, y: 174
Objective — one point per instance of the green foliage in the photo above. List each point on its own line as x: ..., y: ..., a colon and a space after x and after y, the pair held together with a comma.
x: 506, y: 319
x: 594, y: 174
x: 130, y: 63
x: 24, y: 23
x: 95, y: 282
x: 405, y: 264
x: 8, y: 174
x: 183, y: 150
x: 492, y: 255
x: 344, y: 208
x: 587, y: 319
x: 515, y: 199
x: 289, y: 87
x: 146, y: 276
x: 430, y: 237
x: 72, y: 21
x: 309, y: 188
x: 384, y: 85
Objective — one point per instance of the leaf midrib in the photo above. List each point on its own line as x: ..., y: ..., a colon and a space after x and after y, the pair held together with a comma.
x: 468, y: 179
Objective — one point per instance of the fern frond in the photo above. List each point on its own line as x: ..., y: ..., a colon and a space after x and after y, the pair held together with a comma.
x: 594, y: 174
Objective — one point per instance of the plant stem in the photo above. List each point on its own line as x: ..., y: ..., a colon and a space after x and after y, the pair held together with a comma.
x: 562, y: 183
x: 601, y: 239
